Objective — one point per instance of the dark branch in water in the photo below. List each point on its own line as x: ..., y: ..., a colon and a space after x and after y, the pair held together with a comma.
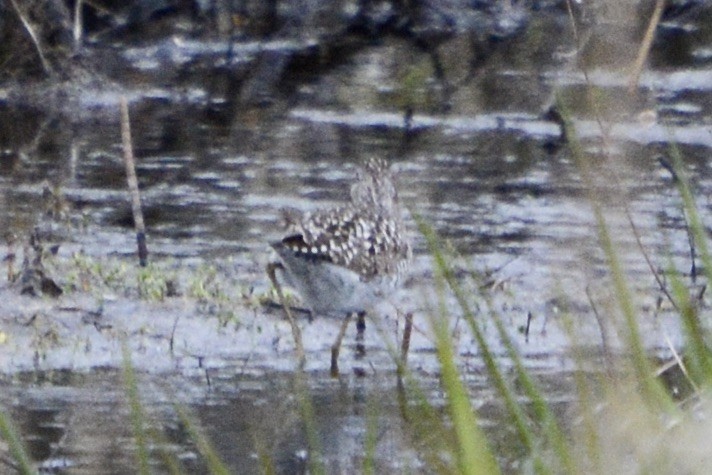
x: 668, y: 166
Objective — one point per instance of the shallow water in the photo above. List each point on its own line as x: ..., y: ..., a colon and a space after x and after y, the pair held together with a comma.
x: 490, y: 175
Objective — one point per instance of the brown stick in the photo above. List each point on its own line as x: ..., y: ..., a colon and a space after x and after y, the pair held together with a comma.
x: 405, y: 348
x: 35, y: 38
x: 405, y: 344
x: 336, y: 347
x: 645, y: 46
x: 133, y: 184
x: 78, y: 23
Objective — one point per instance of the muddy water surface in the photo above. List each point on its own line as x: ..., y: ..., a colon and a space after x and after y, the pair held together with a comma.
x: 487, y: 172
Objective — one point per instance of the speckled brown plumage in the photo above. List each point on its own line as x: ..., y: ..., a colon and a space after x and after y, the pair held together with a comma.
x: 366, y: 237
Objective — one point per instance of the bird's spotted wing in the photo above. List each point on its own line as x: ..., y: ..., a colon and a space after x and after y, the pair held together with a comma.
x: 356, y: 239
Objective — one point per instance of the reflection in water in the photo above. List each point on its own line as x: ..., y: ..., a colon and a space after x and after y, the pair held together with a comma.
x: 81, y: 424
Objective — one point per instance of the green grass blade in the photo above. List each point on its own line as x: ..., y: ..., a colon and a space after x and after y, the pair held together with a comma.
x: 161, y: 450
x: 516, y: 412
x: 544, y: 415
x: 14, y: 442
x: 212, y: 460
x: 473, y: 452
x: 592, y: 440
x: 695, y: 222
x: 653, y: 390
x: 471, y: 460
x: 431, y: 437
x: 695, y: 330
x: 699, y: 359
x: 371, y: 438
x: 136, y: 412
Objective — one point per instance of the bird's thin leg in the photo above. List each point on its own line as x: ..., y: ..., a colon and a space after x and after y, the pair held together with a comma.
x: 407, y: 330
x: 296, y: 332
x: 360, y: 330
x: 405, y: 346
x: 337, y: 346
